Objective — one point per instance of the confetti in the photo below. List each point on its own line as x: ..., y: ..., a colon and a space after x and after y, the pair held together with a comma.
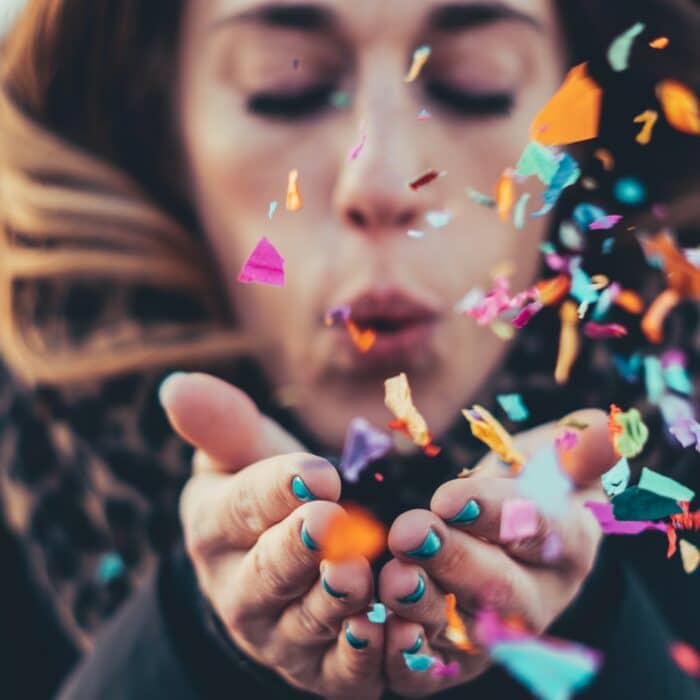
x: 505, y: 194
x: 568, y: 172
x: 414, y: 233
x: 354, y: 533
x: 519, y: 211
x: 686, y: 658
x: 628, y: 431
x: 294, y: 201
x: 664, y: 486
x: 377, y: 614
x: 543, y: 482
x: 607, y: 222
x: 337, y: 315
x: 585, y: 214
x: 567, y: 440
x: 648, y: 118
x: 599, y: 331
x: 272, y: 209
x: 635, y: 503
x: 514, y: 406
x: 356, y: 150
x: 568, y: 342
x: 363, y: 445
x: 424, y: 115
x: 539, y: 160
x: 420, y: 58
x: 398, y: 400
x: 480, y: 198
x: 441, y: 670
x: 621, y: 46
x: 519, y: 519
x: 656, y: 314
x: 630, y: 191
x: 456, y: 630
x: 605, y: 157
x: 680, y: 106
x: 490, y: 431
x: 687, y: 432
x: 572, y: 114
x: 264, y: 266
x: 438, y: 219
x: 616, y: 479
x: 340, y: 99
x: 690, y: 556
x: 424, y: 179
x: 661, y: 42
x: 603, y: 513
x: 364, y: 340
x: 681, y: 276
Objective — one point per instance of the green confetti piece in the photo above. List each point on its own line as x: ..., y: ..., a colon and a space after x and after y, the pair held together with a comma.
x: 539, y: 160
x: 634, y: 434
x: 664, y: 486
x: 480, y: 198
x: 619, y: 50
x: 519, y: 210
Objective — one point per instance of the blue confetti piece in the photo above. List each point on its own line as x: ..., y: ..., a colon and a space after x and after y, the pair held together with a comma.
x: 582, y: 288
x: 110, y: 567
x: 608, y: 245
x: 568, y: 172
x: 272, y: 209
x: 628, y: 367
x: 654, y: 378
x: 585, y: 214
x: 630, y: 191
x: 514, y: 406
x: 617, y: 479
x: 377, y: 614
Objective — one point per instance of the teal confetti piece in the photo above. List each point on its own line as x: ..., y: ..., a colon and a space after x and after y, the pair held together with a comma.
x: 621, y: 46
x: 480, y: 198
x: 664, y: 486
x: 272, y: 209
x: 539, y: 160
x: 654, y: 378
x: 616, y: 480
x: 636, y: 503
x: 514, y: 406
x: 519, y: 210
x: 377, y: 614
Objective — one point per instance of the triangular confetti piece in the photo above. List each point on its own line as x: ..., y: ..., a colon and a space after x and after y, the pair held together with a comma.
x: 264, y: 266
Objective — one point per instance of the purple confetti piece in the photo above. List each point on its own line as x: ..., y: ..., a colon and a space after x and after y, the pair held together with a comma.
x: 363, y: 444
x: 607, y: 222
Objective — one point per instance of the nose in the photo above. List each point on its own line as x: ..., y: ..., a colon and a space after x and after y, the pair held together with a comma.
x: 372, y: 194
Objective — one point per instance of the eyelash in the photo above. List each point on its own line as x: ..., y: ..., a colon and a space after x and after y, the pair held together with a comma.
x: 299, y: 105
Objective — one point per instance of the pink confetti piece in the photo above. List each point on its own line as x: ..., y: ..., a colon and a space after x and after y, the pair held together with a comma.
x: 567, y: 440
x: 441, y: 670
x: 600, y: 331
x: 264, y: 266
x: 355, y: 152
x: 603, y: 513
x: 606, y: 222
x: 526, y: 314
x: 518, y: 519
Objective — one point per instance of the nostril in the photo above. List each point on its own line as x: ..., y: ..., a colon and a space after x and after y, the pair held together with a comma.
x: 357, y: 218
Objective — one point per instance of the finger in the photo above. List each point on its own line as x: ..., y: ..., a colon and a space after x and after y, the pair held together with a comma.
x: 479, y: 573
x: 221, y: 420
x: 356, y: 661
x: 282, y: 566
x: 342, y: 590
x: 234, y: 510
x: 408, y: 591
x: 476, y: 506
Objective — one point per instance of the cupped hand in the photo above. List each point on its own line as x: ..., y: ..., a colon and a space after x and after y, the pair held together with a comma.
x: 456, y: 547
x: 253, y: 513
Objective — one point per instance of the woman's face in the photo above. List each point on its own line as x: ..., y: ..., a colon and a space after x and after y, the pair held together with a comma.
x: 260, y: 94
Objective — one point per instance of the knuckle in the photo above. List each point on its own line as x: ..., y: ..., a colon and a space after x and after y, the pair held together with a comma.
x: 271, y: 581
x: 316, y: 626
x: 244, y: 512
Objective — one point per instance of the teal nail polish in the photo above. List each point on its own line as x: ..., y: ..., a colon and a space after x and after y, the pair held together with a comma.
x: 416, y: 647
x: 354, y: 641
x: 467, y: 515
x: 429, y: 548
x: 331, y: 591
x: 301, y: 490
x: 417, y: 594
x: 165, y: 385
x: 307, y: 539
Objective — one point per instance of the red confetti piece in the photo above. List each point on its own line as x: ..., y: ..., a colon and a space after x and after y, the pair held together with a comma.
x: 686, y: 658
x: 599, y: 331
x: 424, y: 179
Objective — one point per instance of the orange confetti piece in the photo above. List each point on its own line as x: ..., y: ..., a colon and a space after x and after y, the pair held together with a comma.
x: 568, y: 342
x: 614, y: 428
x: 605, y: 157
x: 661, y: 42
x: 294, y: 202
x: 572, y: 114
x: 653, y: 320
x: 629, y: 301
x: 420, y: 58
x: 680, y: 105
x: 681, y: 275
x: 456, y: 631
x: 552, y: 291
x: 354, y: 533
x: 364, y: 340
x: 505, y: 194
x: 648, y: 118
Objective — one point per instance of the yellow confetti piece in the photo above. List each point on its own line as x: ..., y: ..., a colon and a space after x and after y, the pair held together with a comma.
x: 568, y: 342
x: 690, y: 556
x: 680, y: 105
x: 491, y: 432
x: 661, y: 42
x: 648, y: 118
x: 294, y: 202
x: 456, y: 630
x: 398, y: 400
x: 420, y: 58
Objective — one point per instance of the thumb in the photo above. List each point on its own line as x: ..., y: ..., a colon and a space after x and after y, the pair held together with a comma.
x: 593, y: 454
x: 222, y: 421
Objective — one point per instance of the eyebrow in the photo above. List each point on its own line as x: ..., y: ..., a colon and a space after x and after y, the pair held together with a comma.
x: 309, y: 17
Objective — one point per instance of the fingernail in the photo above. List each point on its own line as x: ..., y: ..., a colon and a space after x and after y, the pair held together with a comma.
x: 467, y: 515
x: 301, y: 490
x: 307, y: 539
x: 416, y: 595
x: 429, y: 548
x: 165, y: 387
x: 354, y: 641
x: 416, y: 647
x: 332, y: 591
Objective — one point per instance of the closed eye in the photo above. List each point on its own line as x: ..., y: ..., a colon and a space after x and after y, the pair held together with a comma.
x: 294, y: 105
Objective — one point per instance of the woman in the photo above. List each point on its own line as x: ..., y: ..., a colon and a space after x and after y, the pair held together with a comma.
x: 142, y: 146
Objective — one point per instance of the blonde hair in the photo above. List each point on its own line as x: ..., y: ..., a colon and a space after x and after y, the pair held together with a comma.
x: 65, y: 216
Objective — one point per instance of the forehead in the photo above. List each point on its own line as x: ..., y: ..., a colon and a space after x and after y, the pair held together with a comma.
x: 364, y: 19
